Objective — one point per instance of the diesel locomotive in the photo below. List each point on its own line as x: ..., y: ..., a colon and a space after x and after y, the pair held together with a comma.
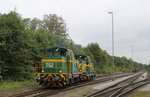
x: 60, y: 68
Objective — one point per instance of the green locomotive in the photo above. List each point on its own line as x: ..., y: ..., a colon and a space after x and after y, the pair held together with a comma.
x: 60, y: 68
x: 87, y: 68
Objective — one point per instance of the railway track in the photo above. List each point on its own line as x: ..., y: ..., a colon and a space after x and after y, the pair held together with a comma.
x: 122, y: 88
x: 105, y: 75
x: 51, y: 91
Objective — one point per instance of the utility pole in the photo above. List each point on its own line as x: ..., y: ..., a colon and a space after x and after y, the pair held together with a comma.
x: 132, y: 57
x: 112, y: 42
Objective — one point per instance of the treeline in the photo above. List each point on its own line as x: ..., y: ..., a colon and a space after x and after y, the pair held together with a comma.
x: 24, y: 40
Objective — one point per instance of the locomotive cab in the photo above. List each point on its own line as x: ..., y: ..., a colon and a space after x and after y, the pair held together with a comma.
x: 54, y: 61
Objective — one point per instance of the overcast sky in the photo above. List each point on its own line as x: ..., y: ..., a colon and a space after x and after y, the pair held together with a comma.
x: 88, y: 21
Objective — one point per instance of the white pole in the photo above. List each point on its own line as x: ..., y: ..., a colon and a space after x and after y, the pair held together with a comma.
x: 112, y: 42
x: 132, y: 57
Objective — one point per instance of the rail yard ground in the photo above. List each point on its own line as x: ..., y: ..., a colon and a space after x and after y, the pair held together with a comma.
x: 86, y: 90
x: 9, y: 92
x: 126, y: 88
x: 83, y: 91
x: 21, y: 88
x: 142, y: 92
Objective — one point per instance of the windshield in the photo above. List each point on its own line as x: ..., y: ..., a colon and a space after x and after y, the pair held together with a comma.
x: 51, y: 52
x: 62, y: 53
x: 56, y: 52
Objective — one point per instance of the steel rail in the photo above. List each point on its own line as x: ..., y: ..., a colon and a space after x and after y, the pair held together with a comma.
x: 115, y: 87
x: 123, y: 87
x: 133, y: 86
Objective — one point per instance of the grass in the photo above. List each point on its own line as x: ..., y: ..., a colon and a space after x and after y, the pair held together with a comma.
x: 141, y: 94
x: 11, y: 84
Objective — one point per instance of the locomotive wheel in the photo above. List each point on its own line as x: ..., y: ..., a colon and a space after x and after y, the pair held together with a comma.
x: 40, y: 82
x: 45, y: 83
x: 72, y: 80
x: 77, y: 80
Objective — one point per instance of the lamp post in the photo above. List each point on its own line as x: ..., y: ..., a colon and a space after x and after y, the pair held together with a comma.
x: 132, y: 58
x: 112, y: 41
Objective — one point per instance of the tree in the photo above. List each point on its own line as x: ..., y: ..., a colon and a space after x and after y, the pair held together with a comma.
x: 14, y: 44
x: 55, y: 25
x: 32, y: 24
x: 95, y: 50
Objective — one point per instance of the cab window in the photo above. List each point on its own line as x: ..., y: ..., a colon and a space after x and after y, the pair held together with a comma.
x: 62, y: 53
x: 51, y: 52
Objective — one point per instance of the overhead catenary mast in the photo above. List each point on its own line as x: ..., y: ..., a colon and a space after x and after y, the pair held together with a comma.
x: 132, y: 57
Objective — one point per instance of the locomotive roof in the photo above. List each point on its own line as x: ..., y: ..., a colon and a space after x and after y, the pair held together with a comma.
x: 82, y: 56
x: 58, y: 48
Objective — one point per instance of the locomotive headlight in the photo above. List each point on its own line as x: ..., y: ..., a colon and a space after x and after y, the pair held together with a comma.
x: 42, y: 70
x: 60, y: 70
x: 38, y: 78
x: 80, y: 70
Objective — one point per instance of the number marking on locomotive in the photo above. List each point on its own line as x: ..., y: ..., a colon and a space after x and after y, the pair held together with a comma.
x: 49, y: 64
